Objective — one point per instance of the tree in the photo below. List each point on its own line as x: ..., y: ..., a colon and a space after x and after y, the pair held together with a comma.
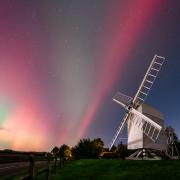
x: 97, y: 147
x: 55, y: 152
x: 121, y: 151
x: 173, y: 142
x: 113, y: 149
x: 98, y: 143
x: 82, y: 149
x: 172, y: 130
x: 88, y: 149
x: 65, y: 152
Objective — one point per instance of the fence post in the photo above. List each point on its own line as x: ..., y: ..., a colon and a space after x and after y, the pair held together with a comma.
x: 48, y: 175
x: 32, y: 167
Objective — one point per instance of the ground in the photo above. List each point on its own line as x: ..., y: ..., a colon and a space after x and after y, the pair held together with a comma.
x: 118, y: 169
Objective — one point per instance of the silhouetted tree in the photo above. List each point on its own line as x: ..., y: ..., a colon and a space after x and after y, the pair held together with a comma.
x: 82, y: 149
x: 106, y: 149
x: 88, y: 149
x: 97, y: 147
x: 113, y: 149
x: 65, y: 152
x: 121, y: 151
x: 55, y: 152
x: 170, y: 130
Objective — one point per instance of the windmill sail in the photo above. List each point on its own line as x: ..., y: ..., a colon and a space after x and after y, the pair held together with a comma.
x: 120, y: 128
x: 133, y: 106
x: 123, y: 100
x: 148, y: 80
x: 148, y: 126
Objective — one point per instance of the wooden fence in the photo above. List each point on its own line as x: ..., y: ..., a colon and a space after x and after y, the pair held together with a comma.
x: 27, y: 165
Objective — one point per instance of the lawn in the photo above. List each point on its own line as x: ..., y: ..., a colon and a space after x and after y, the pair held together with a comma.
x: 118, y: 169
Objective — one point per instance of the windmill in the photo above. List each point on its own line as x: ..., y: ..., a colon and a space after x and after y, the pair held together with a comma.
x: 144, y: 123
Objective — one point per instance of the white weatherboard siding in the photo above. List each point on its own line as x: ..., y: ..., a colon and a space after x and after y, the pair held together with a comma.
x: 135, y: 135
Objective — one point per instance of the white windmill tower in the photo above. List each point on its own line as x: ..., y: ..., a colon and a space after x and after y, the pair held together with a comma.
x: 144, y: 123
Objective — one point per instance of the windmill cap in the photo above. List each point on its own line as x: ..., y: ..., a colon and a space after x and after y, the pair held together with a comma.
x: 151, y: 111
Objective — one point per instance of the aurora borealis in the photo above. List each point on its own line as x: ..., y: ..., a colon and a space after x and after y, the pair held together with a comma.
x: 62, y: 61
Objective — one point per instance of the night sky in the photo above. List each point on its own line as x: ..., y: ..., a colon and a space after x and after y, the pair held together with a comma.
x: 62, y: 61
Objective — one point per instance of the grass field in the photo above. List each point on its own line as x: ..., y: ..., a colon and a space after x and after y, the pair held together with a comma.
x: 118, y: 169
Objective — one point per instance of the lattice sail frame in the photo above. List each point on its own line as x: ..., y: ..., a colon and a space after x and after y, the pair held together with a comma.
x: 148, y: 126
x: 148, y: 80
x: 123, y: 99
